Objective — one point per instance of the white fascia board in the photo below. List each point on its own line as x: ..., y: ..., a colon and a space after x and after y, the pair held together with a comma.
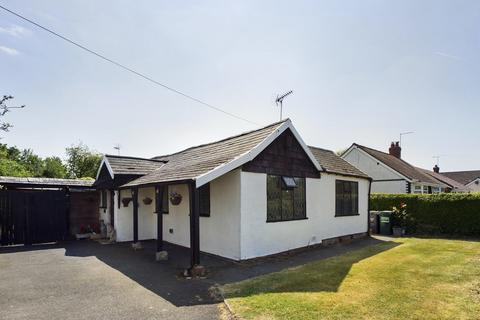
x: 109, y: 168
x: 471, y: 183
x: 251, y: 154
x: 383, y: 164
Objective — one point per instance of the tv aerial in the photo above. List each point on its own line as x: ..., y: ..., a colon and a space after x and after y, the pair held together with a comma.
x: 279, y: 100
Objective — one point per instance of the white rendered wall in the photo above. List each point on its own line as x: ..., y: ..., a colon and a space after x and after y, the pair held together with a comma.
x: 474, y: 187
x: 259, y: 238
x: 389, y: 186
x: 377, y: 171
x: 123, y: 217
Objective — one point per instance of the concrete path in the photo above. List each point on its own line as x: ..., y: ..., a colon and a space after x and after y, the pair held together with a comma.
x: 87, y: 280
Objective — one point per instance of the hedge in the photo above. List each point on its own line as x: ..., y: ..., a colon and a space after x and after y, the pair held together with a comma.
x: 445, y: 213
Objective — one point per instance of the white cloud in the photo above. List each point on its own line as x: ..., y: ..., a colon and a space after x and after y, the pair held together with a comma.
x: 15, y: 31
x: 9, y: 51
x: 449, y: 56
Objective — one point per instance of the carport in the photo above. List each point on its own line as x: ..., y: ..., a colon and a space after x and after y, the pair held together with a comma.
x: 36, y: 210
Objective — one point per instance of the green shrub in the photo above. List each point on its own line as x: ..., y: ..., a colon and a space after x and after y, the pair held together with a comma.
x: 445, y: 213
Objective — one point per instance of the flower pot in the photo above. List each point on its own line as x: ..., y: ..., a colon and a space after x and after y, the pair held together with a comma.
x: 147, y: 200
x: 175, y: 199
x: 126, y: 201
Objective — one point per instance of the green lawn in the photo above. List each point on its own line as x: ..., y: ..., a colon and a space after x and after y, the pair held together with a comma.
x: 410, y: 278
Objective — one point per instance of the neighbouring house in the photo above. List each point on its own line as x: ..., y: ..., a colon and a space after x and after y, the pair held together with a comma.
x: 247, y: 196
x: 392, y: 174
x: 469, y: 179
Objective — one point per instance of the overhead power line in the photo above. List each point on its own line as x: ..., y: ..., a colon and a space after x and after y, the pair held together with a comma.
x: 118, y: 64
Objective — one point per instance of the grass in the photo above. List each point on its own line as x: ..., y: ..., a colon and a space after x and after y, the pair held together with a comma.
x: 409, y: 278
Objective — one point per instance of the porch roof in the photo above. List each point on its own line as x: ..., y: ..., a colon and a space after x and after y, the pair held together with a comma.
x: 193, y: 162
x: 208, y: 161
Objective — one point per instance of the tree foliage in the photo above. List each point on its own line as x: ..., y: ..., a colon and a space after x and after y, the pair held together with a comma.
x: 54, y: 168
x: 82, y: 162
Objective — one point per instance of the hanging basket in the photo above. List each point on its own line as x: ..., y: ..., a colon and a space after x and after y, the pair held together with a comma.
x: 147, y: 201
x: 175, y: 198
x: 126, y: 201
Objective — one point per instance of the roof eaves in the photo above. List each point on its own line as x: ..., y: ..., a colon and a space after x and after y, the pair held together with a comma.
x: 360, y: 147
x: 252, y: 153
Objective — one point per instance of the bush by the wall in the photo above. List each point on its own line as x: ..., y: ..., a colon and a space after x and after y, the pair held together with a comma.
x: 445, y: 213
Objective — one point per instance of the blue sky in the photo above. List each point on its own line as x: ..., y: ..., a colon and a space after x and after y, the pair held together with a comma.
x: 361, y: 71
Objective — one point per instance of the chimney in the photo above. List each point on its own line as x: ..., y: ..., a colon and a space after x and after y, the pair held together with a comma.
x: 395, y: 150
x: 436, y: 169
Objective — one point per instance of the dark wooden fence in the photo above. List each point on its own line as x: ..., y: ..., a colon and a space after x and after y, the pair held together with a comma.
x: 33, y: 216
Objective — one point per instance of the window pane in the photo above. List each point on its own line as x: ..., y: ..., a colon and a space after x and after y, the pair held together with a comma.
x: 289, y: 182
x: 338, y: 197
x: 346, y: 197
x: 204, y: 200
x: 354, y: 197
x: 287, y: 204
x: 299, y: 199
x: 274, y: 198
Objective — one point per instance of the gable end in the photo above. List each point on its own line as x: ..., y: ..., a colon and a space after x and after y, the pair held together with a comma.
x: 284, y: 156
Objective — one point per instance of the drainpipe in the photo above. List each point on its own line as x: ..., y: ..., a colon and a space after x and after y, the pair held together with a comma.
x: 368, y: 214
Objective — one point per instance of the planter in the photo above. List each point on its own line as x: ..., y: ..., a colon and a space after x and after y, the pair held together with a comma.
x: 147, y: 201
x: 175, y: 198
x: 126, y: 201
x: 398, y: 231
x: 80, y: 236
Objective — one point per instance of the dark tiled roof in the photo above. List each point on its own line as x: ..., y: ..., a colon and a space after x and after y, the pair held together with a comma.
x: 196, y: 161
x: 131, y: 165
x: 455, y: 185
x: 399, y: 165
x: 464, y: 177
x: 333, y: 163
x: 54, y: 182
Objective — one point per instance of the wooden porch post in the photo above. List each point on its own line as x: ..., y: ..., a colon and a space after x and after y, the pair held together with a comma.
x: 159, y: 211
x: 194, y: 228
x: 161, y: 254
x: 112, y: 208
x: 135, y: 214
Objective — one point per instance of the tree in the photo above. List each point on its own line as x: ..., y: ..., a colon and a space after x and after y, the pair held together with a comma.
x: 5, y: 126
x: 54, y: 168
x: 9, y: 165
x: 13, y: 169
x: 82, y: 162
x: 33, y: 163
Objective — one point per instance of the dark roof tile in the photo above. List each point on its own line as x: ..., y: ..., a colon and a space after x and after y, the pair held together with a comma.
x: 399, y: 165
x: 334, y: 164
x: 464, y: 177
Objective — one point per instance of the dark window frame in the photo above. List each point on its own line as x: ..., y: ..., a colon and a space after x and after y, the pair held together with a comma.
x: 103, y: 199
x: 346, y: 198
x: 285, y: 203
x: 204, y: 200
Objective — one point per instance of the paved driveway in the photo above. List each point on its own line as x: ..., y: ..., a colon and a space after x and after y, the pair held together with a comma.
x: 87, y: 280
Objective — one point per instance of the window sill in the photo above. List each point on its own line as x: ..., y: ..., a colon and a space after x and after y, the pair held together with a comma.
x: 347, y: 215
x: 298, y: 219
x: 162, y: 212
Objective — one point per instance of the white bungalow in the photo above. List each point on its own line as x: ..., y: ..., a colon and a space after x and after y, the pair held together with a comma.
x: 251, y: 195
